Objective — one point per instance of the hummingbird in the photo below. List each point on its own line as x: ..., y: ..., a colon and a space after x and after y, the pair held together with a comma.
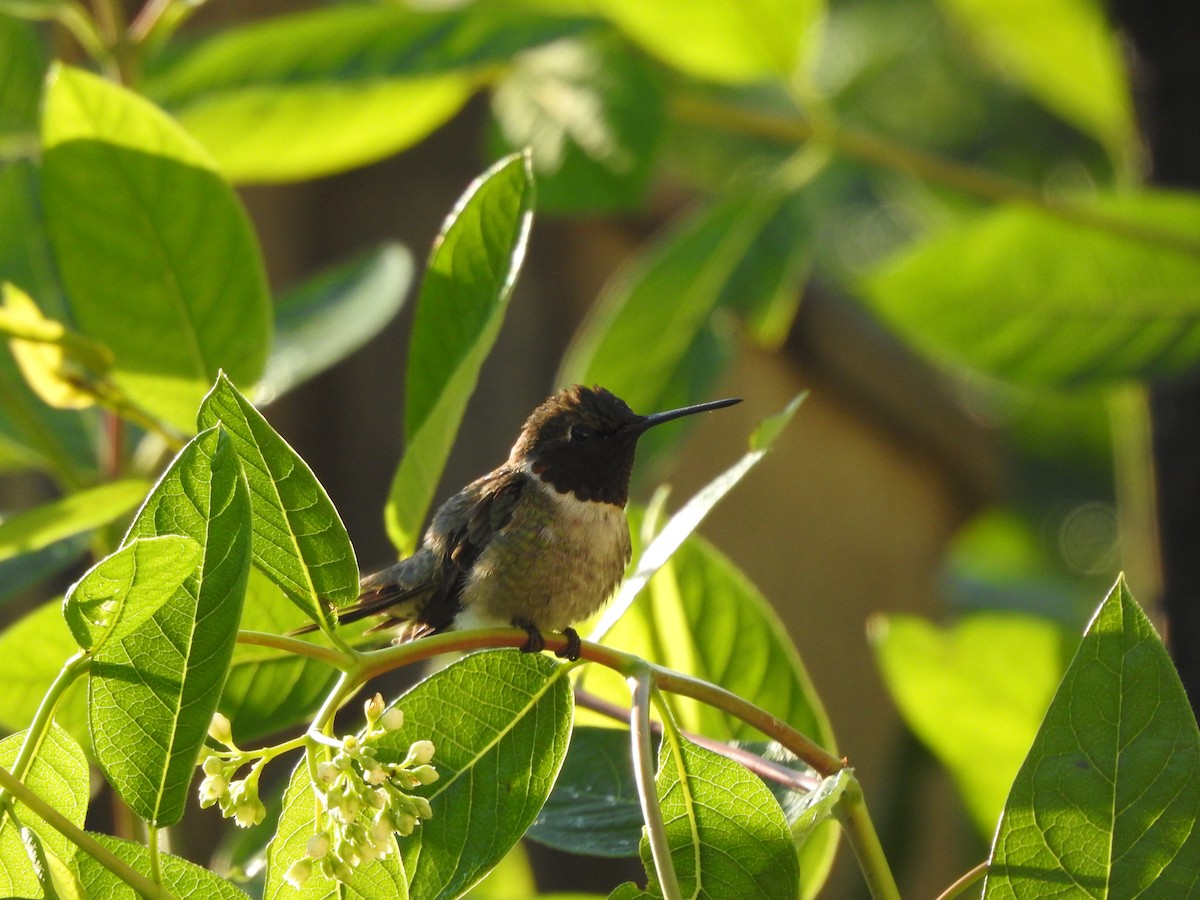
x: 539, y: 543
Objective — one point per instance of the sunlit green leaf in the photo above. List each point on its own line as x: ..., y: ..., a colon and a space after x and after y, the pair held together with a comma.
x: 722, y: 41
x: 498, y: 756
x: 1065, y: 53
x: 376, y: 879
x: 325, y: 90
x: 1107, y: 800
x: 469, y: 278
x: 128, y: 587
x: 956, y: 690
x: 179, y: 876
x: 152, y: 245
x: 1039, y: 300
x: 82, y: 511
x: 34, y: 649
x: 327, y: 318
x: 23, y: 63
x: 59, y: 775
x: 300, y: 542
x: 164, y: 678
x: 591, y: 114
x: 727, y: 835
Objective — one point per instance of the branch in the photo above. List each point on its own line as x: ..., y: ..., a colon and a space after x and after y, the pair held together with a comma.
x: 643, y: 772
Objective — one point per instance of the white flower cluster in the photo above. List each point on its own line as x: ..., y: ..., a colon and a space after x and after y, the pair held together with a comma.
x: 238, y: 798
x: 364, y: 801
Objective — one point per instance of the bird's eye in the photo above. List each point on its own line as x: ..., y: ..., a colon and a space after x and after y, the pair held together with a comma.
x: 580, y: 433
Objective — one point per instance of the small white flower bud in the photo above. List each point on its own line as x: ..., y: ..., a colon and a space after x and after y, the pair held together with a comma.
x: 373, y: 708
x: 327, y: 772
x: 318, y: 845
x: 422, y: 808
x: 392, y: 719
x: 426, y: 774
x: 298, y: 873
x: 220, y: 730
x: 213, y: 765
x: 420, y: 753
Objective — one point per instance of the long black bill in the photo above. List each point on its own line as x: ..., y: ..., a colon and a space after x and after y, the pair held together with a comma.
x: 658, y: 418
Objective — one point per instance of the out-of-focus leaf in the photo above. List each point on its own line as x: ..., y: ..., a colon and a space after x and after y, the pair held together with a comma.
x: 1064, y: 53
x: 34, y: 648
x: 164, y: 678
x: 956, y: 690
x: 153, y: 247
x: 299, y: 542
x: 127, y: 587
x: 469, y: 278
x: 1038, y: 300
x: 179, y: 876
x: 498, y: 757
x: 721, y: 41
x: 327, y: 318
x: 375, y: 879
x: 322, y: 91
x: 73, y: 514
x: 59, y: 775
x: 20, y: 572
x: 1107, y: 801
x: 22, y: 67
x: 591, y: 114
x: 594, y: 808
x: 668, y: 293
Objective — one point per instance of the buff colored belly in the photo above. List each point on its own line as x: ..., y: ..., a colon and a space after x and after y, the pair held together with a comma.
x: 555, y: 563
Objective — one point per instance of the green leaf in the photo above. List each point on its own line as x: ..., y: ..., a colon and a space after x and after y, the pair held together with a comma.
x: 22, y: 572
x: 23, y: 62
x: 267, y: 690
x: 299, y: 542
x: 956, y: 691
x: 179, y: 876
x: 34, y: 649
x: 594, y: 808
x: 818, y: 805
x: 327, y: 318
x: 1065, y: 54
x: 127, y: 587
x: 1038, y: 300
x: 74, y: 514
x: 376, y: 879
x: 592, y: 115
x: 717, y: 40
x: 59, y: 775
x: 163, y: 679
x: 501, y: 722
x: 1107, y: 801
x: 668, y: 291
x: 319, y: 92
x: 470, y: 275
x: 181, y: 293
x: 727, y: 835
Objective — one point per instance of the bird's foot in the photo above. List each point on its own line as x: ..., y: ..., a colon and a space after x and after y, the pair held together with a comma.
x: 536, y: 643
x: 574, y: 646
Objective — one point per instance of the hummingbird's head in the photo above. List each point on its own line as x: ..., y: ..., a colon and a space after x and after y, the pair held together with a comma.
x: 583, y: 440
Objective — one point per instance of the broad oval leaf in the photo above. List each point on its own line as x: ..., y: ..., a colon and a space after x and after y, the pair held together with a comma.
x: 153, y: 246
x: 471, y: 273
x: 1065, y: 54
x: 500, y: 722
x: 1039, y: 300
x: 1107, y: 799
x: 127, y: 587
x: 594, y: 808
x: 956, y: 691
x: 727, y: 834
x: 300, y: 542
x: 59, y: 775
x: 327, y: 318
x: 73, y: 514
x: 297, y: 823
x: 163, y: 679
x: 321, y: 91
x: 718, y: 40
x: 179, y: 876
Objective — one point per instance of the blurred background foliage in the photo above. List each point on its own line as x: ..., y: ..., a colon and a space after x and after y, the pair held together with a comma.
x: 937, y: 215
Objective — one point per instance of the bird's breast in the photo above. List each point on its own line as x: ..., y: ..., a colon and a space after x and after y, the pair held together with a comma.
x: 555, y: 562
